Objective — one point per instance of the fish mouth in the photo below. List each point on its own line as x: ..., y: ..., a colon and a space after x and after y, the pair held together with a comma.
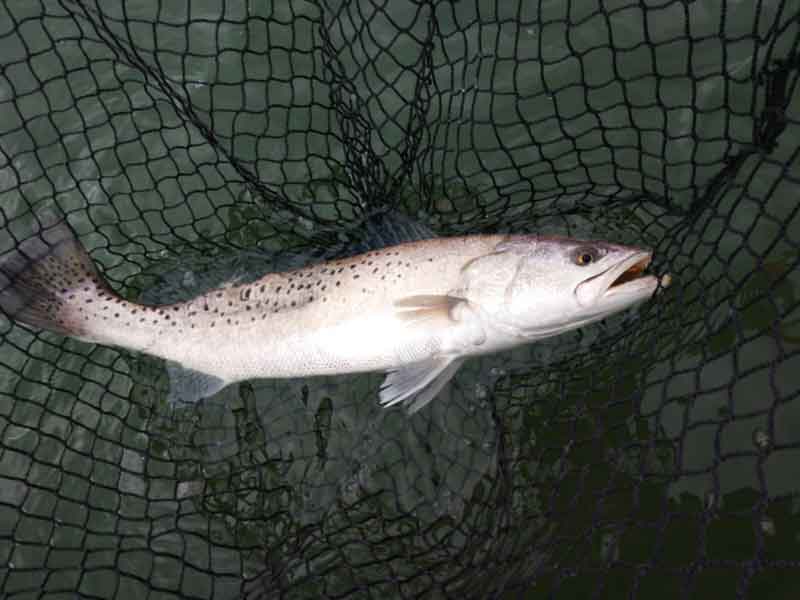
x: 631, y: 269
x: 624, y: 282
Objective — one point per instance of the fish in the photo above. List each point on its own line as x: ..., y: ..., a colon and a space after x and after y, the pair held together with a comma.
x: 415, y: 310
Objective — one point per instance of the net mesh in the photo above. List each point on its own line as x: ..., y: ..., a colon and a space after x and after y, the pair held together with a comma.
x: 653, y: 455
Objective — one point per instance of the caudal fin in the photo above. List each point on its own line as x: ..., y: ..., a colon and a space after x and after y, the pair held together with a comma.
x: 48, y: 279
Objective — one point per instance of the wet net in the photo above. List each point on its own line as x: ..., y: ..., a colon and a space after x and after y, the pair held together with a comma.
x: 653, y: 455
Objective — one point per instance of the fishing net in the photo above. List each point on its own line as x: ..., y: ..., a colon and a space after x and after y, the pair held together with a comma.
x: 653, y: 455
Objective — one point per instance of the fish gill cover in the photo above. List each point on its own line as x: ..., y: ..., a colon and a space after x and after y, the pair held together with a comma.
x: 653, y: 455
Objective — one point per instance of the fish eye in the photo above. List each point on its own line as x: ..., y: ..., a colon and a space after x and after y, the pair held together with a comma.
x: 585, y: 256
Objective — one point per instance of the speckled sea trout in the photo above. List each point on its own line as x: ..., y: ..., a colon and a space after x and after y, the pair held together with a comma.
x: 415, y: 310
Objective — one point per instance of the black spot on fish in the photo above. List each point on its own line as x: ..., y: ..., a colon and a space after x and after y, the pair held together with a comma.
x: 176, y: 308
x: 116, y: 315
x: 278, y: 289
x: 293, y: 303
x: 262, y: 288
x: 245, y: 295
x: 375, y: 270
x: 338, y: 283
x: 205, y: 307
x: 247, y: 307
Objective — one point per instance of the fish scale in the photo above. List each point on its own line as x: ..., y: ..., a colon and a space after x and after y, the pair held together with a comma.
x: 415, y: 310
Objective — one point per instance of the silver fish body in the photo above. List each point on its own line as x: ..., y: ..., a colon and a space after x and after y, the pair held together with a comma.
x: 415, y: 310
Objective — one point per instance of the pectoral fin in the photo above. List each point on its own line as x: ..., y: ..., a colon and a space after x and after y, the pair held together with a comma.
x: 466, y: 329
x: 417, y: 384
x: 418, y: 309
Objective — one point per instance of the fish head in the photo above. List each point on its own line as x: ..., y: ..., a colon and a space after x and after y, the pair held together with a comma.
x: 536, y: 287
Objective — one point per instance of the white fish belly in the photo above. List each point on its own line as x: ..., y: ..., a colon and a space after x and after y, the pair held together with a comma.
x: 369, y: 343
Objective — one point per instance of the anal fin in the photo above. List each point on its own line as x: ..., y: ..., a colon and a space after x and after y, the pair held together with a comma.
x: 415, y: 385
x: 187, y: 386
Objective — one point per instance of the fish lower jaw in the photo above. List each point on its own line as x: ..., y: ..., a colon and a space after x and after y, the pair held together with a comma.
x: 644, y: 286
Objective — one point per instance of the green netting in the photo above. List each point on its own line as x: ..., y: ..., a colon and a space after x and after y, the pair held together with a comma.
x: 654, y: 455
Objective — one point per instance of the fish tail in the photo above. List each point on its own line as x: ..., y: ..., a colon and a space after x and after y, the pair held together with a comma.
x: 49, y: 281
